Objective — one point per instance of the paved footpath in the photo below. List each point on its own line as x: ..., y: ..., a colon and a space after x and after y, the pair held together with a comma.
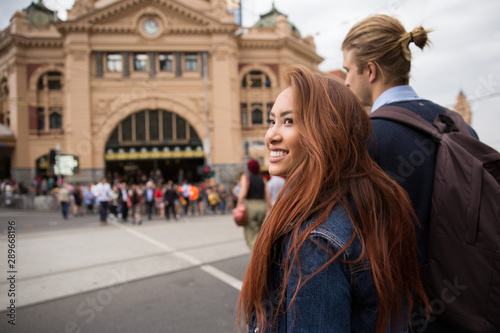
x: 54, y: 263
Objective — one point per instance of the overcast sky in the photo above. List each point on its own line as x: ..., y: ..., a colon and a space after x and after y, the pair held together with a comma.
x: 465, y: 51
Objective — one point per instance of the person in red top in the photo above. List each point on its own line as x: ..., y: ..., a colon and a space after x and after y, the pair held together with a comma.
x: 160, y: 205
x: 193, y: 200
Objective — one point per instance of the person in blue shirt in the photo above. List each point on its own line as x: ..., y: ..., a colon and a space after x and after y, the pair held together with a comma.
x: 377, y: 58
x: 337, y: 252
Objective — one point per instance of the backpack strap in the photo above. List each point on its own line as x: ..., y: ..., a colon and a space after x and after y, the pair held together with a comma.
x: 450, y: 121
x: 406, y: 117
x: 458, y: 121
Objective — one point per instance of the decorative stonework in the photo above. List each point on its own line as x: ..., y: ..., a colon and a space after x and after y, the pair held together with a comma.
x: 103, y: 106
x: 81, y: 7
x: 79, y: 55
x: 219, y: 9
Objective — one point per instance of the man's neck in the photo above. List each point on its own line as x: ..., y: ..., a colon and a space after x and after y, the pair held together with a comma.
x: 378, y: 89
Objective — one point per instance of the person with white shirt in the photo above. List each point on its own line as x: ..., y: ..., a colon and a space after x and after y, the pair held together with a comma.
x: 275, y: 184
x: 102, y: 192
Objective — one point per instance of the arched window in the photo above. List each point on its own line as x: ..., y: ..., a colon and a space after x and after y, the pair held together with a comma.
x: 47, y: 111
x: 256, y: 98
x: 153, y: 128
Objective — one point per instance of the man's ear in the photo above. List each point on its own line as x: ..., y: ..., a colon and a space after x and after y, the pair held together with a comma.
x: 372, y: 71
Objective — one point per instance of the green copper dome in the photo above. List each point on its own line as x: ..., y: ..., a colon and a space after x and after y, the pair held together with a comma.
x: 269, y: 20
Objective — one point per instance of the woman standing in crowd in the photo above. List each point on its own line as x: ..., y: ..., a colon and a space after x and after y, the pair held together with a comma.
x: 255, y: 194
x: 338, y: 251
x: 159, y: 202
x: 78, y: 195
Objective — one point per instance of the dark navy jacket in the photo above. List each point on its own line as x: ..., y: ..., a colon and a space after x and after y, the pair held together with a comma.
x: 409, y: 157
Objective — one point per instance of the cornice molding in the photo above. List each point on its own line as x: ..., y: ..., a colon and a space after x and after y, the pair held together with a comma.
x: 167, y: 30
x: 22, y: 41
x: 281, y: 43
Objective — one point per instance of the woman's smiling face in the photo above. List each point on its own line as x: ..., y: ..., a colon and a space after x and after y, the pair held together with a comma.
x: 282, y: 137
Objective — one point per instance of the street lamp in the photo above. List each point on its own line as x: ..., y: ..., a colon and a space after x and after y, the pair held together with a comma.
x: 206, y: 142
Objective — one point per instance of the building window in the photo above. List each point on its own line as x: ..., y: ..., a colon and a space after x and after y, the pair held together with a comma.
x: 50, y: 80
x: 127, y: 129
x: 180, y: 127
x: 55, y: 121
x: 154, y: 127
x: 256, y: 79
x: 257, y: 116
x: 191, y: 61
x: 54, y: 80
x: 140, y: 126
x: 140, y: 61
x: 269, y: 108
x: 114, y: 62
x: 41, y: 118
x: 244, y: 115
x: 168, y: 133
x: 53, y: 118
x: 165, y: 61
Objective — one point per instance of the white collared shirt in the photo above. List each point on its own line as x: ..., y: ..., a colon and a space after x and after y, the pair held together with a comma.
x: 395, y: 94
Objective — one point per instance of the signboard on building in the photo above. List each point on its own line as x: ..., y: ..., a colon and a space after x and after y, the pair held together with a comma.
x: 63, y: 164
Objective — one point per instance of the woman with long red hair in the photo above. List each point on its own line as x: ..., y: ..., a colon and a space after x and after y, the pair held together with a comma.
x: 337, y: 252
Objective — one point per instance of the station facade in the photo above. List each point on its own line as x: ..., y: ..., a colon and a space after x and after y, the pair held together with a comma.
x: 127, y: 85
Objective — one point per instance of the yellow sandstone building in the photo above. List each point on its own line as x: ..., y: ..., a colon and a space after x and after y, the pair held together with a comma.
x: 127, y: 85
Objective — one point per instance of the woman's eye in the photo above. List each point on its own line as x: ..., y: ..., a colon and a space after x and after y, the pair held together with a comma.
x: 288, y: 121
x: 270, y: 121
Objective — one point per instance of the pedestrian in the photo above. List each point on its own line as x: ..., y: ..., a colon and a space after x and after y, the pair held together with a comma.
x: 185, y: 195
x: 275, y: 184
x: 122, y: 199
x: 194, y: 192
x: 255, y: 194
x: 89, y: 199
x: 113, y: 203
x: 102, y: 192
x: 377, y: 59
x: 170, y: 197
x: 64, y: 199
x: 134, y: 197
x: 159, y: 202
x: 78, y: 200
x: 213, y: 199
x: 337, y: 252
x: 221, y: 189
x: 202, y: 198
x: 149, y: 196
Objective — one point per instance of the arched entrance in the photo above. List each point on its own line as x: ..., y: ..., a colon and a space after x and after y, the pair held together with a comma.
x: 152, y: 141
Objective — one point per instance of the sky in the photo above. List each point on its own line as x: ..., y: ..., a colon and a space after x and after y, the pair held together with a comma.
x: 464, y: 55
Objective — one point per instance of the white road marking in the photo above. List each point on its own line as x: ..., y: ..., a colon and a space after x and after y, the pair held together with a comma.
x: 215, y: 272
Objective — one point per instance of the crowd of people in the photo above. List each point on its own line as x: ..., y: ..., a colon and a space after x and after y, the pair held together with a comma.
x: 125, y: 198
x: 120, y: 201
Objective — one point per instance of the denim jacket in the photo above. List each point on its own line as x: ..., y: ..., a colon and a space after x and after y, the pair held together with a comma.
x: 341, y: 298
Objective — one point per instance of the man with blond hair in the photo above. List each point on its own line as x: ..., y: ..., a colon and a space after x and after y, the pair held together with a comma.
x: 377, y: 58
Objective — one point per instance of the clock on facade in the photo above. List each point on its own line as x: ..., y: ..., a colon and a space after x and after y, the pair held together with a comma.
x: 150, y: 27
